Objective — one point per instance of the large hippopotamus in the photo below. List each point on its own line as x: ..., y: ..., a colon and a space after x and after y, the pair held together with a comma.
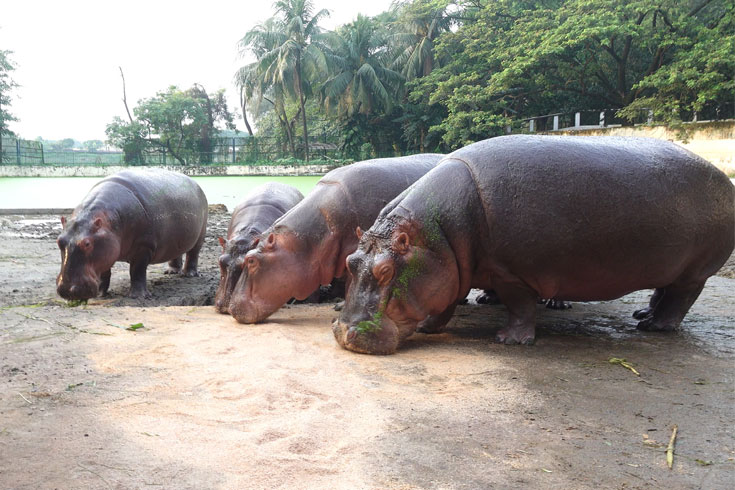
x: 307, y: 246
x: 255, y: 214
x: 137, y: 216
x: 568, y: 218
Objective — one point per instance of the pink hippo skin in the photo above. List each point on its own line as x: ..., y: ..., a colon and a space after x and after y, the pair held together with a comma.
x: 263, y: 205
x: 307, y: 247
x: 569, y: 218
x: 137, y: 216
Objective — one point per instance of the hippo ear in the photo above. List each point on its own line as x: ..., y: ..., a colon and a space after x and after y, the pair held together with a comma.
x: 222, y: 242
x: 96, y: 224
x: 401, y: 243
x: 358, y: 232
x: 63, y: 221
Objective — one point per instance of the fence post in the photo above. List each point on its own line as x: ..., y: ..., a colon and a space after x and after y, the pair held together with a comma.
x: 233, y: 151
x: 17, y: 151
x: 508, y: 129
x: 602, y: 119
x: 531, y: 125
x: 577, y: 119
x: 556, y: 123
x: 649, y: 119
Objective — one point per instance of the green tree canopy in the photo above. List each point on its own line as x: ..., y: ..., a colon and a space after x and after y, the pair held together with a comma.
x: 182, y: 122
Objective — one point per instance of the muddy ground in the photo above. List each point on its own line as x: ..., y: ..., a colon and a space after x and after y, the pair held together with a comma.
x: 194, y: 400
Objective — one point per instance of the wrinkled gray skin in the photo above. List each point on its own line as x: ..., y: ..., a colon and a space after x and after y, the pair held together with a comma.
x: 255, y: 214
x: 620, y: 215
x: 307, y: 247
x: 137, y: 216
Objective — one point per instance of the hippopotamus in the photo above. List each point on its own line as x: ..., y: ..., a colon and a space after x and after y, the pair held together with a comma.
x: 565, y: 218
x: 308, y: 245
x: 250, y: 218
x: 137, y: 216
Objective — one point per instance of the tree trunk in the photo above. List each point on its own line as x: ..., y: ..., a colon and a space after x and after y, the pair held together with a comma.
x: 243, y: 103
x: 303, y: 109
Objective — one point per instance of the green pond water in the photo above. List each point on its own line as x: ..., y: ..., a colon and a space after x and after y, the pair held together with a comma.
x: 67, y: 192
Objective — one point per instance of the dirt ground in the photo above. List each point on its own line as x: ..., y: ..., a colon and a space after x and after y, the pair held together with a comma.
x: 193, y: 400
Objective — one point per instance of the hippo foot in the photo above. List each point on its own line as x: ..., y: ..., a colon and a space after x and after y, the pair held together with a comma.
x: 339, y: 306
x: 140, y: 294
x: 557, y: 304
x: 643, y: 313
x: 510, y: 336
x: 652, y: 325
x: 190, y: 273
x: 172, y: 270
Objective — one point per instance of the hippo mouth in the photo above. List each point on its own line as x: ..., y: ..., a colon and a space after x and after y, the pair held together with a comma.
x: 369, y: 337
x: 78, y: 291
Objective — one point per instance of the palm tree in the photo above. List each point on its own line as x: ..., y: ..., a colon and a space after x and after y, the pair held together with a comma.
x: 287, y: 54
x: 420, y: 23
x: 359, y: 81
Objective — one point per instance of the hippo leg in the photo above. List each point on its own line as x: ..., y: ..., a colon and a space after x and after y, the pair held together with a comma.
x: 646, y: 312
x: 521, y: 304
x: 138, y: 271
x: 673, y: 304
x: 192, y: 260
x: 174, y: 266
x: 436, y: 323
x: 105, y: 283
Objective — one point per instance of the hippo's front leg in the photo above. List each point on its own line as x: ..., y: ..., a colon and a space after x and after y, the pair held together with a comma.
x: 521, y: 304
x: 138, y: 272
x: 436, y: 323
x: 105, y: 282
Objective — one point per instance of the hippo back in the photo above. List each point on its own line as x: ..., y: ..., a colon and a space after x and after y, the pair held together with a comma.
x: 568, y: 200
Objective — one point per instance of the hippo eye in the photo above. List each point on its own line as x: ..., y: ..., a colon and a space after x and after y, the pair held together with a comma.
x: 383, y: 273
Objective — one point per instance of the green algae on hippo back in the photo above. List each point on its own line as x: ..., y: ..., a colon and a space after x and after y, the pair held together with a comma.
x: 628, y: 214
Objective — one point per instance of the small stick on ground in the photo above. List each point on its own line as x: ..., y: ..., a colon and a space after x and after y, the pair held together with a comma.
x: 670, y: 448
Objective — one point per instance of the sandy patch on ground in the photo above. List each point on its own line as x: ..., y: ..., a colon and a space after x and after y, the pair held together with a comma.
x: 194, y: 400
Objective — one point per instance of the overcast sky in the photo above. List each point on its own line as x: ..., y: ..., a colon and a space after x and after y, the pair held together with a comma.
x: 67, y: 54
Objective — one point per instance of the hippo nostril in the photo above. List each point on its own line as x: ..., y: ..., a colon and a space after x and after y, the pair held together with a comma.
x: 74, y: 289
x: 351, y: 334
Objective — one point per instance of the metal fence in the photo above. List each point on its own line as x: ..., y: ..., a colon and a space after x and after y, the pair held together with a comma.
x: 605, y: 118
x: 228, y: 151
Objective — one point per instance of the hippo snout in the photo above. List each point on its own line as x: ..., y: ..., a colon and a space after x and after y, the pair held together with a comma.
x: 78, y: 291
x: 367, y: 337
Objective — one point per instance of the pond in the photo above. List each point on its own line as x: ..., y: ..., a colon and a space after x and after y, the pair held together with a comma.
x: 67, y: 192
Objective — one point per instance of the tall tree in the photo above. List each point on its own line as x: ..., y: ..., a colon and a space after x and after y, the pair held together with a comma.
x: 291, y: 55
x: 7, y: 84
x: 419, y: 23
x: 182, y: 122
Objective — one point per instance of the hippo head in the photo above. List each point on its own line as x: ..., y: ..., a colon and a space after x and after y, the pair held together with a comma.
x: 88, y: 248
x: 278, y: 269
x: 397, y: 281
x: 231, y: 265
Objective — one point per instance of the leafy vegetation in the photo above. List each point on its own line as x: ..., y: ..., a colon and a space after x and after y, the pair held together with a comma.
x: 434, y: 75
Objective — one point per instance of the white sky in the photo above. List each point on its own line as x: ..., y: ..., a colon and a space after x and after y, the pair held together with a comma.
x: 67, y: 54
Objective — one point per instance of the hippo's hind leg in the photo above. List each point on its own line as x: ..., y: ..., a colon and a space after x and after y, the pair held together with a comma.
x: 105, y: 283
x: 192, y: 259
x: 646, y: 312
x: 174, y: 266
x: 673, y: 304
x: 521, y: 303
